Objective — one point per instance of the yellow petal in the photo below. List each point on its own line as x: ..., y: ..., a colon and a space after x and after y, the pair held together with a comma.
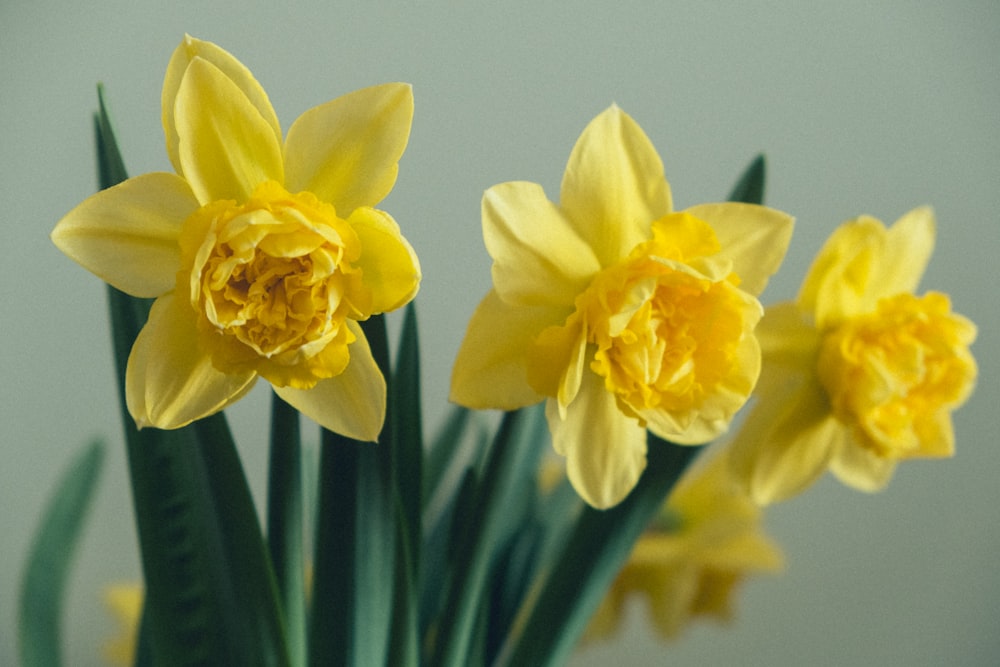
x: 786, y: 340
x: 388, y: 263
x: 605, y: 450
x: 786, y: 442
x: 908, y: 246
x: 835, y: 287
x: 538, y: 258
x: 226, y: 147
x: 170, y: 381
x: 127, y: 235
x: 614, y: 187
x: 491, y: 369
x: 352, y: 403
x: 862, y: 469
x: 188, y: 50
x: 347, y: 151
x: 754, y: 238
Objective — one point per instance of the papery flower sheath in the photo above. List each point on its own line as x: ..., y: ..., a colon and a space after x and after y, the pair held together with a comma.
x: 263, y: 253
x: 706, y: 540
x: 619, y: 312
x: 859, y: 372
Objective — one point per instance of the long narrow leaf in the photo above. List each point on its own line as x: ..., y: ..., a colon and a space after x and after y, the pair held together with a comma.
x: 594, y: 553
x: 50, y: 558
x: 210, y: 593
x: 356, y: 535
x: 284, y: 523
x: 510, y: 465
x: 749, y: 189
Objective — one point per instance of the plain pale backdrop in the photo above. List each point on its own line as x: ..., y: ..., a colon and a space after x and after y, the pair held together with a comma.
x: 860, y: 106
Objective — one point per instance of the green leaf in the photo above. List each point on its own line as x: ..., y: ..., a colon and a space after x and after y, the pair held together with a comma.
x: 486, y: 526
x: 44, y: 584
x: 750, y: 188
x: 356, y: 535
x: 406, y: 470
x: 211, y: 597
x: 284, y: 523
x: 595, y: 551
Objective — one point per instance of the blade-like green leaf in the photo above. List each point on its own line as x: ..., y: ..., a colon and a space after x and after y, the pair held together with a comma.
x: 210, y: 593
x: 284, y: 523
x: 750, y: 188
x: 50, y: 558
x: 356, y: 533
x: 406, y: 467
x: 596, y: 550
x: 498, y: 502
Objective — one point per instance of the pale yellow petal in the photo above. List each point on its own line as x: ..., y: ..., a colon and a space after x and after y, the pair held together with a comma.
x: 786, y: 442
x: 787, y: 340
x: 614, y: 187
x: 347, y: 150
x: 186, y: 51
x: 170, y: 380
x: 225, y: 146
x: 491, y: 369
x: 127, y: 234
x: 838, y: 280
x: 860, y: 468
x: 754, y: 238
x: 908, y: 246
x: 605, y: 450
x: 388, y: 263
x: 538, y: 258
x: 352, y: 403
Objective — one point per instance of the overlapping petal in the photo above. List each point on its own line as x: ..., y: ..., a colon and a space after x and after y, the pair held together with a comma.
x: 390, y: 268
x: 614, y: 187
x: 906, y: 250
x: 170, y: 380
x: 539, y: 258
x: 491, y: 369
x: 347, y: 151
x: 352, y: 403
x: 787, y: 442
x: 189, y: 49
x: 605, y: 450
x: 226, y: 147
x: 127, y: 235
x: 753, y: 238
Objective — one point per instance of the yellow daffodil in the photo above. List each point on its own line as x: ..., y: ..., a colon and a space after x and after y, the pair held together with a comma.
x: 705, y: 542
x: 859, y: 373
x: 262, y: 253
x: 620, y: 312
x: 125, y: 602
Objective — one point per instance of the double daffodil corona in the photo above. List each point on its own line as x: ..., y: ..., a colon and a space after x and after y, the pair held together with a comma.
x: 263, y: 253
x: 859, y: 373
x: 618, y: 311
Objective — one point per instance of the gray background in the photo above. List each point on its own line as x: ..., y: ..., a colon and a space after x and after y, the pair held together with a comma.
x: 861, y: 107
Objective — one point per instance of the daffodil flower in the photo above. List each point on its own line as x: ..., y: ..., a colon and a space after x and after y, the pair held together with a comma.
x: 263, y: 254
x: 706, y: 541
x: 619, y: 312
x: 859, y: 373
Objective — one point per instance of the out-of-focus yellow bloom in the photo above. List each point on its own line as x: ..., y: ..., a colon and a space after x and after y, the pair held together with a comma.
x: 620, y: 312
x: 705, y: 542
x: 125, y: 603
x: 859, y: 373
x: 263, y: 254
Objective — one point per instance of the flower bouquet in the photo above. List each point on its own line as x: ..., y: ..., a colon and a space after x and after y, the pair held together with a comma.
x: 263, y: 256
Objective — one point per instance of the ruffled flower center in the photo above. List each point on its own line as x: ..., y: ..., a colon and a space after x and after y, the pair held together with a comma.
x: 665, y: 327
x: 893, y: 375
x: 273, y: 282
